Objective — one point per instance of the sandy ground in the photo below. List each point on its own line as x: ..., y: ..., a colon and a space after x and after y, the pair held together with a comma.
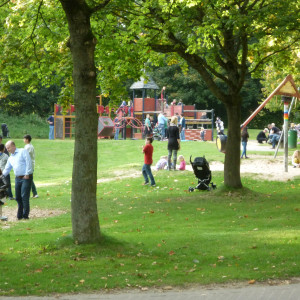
x: 265, y: 167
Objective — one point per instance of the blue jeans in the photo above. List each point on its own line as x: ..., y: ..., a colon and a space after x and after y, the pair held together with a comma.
x: 22, y: 191
x: 146, y: 170
x: 244, y: 144
x: 274, y: 140
x: 182, y: 135
x: 51, y: 132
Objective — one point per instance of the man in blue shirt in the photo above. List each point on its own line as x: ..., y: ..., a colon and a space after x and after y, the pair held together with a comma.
x: 20, y: 161
x: 182, y: 123
x: 161, y: 120
x: 50, y: 120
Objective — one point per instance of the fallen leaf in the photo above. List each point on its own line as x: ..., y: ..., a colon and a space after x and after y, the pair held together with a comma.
x: 171, y: 253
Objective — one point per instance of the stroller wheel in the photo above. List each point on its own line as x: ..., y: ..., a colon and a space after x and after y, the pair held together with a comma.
x: 191, y: 189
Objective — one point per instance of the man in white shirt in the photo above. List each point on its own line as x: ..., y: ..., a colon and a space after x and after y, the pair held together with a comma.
x: 20, y: 161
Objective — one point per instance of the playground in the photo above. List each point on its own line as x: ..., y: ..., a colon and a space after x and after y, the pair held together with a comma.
x: 129, y: 118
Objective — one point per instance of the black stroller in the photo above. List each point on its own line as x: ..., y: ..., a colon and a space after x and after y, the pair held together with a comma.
x: 157, y: 135
x: 203, y: 173
x: 5, y: 131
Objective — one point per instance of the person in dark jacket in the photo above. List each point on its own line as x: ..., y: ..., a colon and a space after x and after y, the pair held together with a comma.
x: 261, y: 137
x: 3, y: 188
x: 245, y: 136
x: 173, y: 142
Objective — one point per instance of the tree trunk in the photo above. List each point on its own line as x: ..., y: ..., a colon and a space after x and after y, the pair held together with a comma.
x: 85, y: 222
x: 232, y: 177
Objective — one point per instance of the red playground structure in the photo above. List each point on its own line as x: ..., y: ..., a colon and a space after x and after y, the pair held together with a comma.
x: 130, y: 116
x: 143, y: 105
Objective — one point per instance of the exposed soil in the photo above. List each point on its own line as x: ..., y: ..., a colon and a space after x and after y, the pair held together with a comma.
x: 11, y: 212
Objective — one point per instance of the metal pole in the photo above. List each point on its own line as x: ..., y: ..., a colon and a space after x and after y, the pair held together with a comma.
x: 285, y: 134
x: 280, y: 139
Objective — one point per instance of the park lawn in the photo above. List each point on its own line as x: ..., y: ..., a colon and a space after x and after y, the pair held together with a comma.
x: 150, y: 236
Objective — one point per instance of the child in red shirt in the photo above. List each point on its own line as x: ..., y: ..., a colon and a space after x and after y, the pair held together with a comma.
x: 146, y: 170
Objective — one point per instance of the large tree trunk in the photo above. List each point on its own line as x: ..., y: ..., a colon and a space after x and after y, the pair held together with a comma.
x: 232, y: 176
x: 85, y: 222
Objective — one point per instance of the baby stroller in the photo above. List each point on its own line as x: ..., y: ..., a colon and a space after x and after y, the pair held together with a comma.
x: 157, y: 136
x: 203, y: 173
x: 5, y: 131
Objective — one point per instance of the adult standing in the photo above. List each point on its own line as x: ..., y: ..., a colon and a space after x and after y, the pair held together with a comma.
x: 245, y: 136
x: 29, y: 147
x: 4, y: 159
x: 20, y: 161
x: 50, y: 120
x: 173, y: 142
x: 161, y: 120
x: 182, y: 125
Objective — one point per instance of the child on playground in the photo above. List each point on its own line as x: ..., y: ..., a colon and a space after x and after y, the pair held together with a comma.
x: 146, y: 170
x: 162, y: 163
x: 182, y: 163
x: 202, y: 134
x: 296, y: 159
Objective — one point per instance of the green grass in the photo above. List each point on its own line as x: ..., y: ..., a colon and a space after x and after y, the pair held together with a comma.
x: 26, y: 124
x: 150, y: 236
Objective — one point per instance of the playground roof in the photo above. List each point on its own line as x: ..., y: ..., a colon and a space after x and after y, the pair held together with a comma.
x: 144, y: 84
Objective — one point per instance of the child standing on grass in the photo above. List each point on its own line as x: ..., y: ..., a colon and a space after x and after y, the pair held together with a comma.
x: 182, y: 162
x: 146, y: 170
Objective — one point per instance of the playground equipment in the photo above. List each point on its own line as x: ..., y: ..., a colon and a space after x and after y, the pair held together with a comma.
x: 143, y: 105
x: 221, y: 143
x: 105, y: 127
x: 64, y: 122
x: 132, y: 116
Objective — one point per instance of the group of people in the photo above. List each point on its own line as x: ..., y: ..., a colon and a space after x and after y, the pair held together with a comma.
x: 22, y: 161
x: 269, y: 135
x: 163, y: 124
x: 173, y: 147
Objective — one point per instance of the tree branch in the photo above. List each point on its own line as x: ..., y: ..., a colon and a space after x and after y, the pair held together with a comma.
x: 262, y: 61
x: 99, y: 6
x: 4, y: 3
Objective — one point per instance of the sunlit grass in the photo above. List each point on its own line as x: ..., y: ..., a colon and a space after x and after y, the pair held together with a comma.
x: 150, y: 236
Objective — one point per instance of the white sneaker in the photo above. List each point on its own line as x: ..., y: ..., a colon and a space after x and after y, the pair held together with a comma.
x: 36, y: 196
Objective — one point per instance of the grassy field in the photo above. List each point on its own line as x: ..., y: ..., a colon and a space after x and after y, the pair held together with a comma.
x: 150, y: 236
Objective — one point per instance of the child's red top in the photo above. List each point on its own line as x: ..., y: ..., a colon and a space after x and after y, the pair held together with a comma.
x: 148, y: 150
